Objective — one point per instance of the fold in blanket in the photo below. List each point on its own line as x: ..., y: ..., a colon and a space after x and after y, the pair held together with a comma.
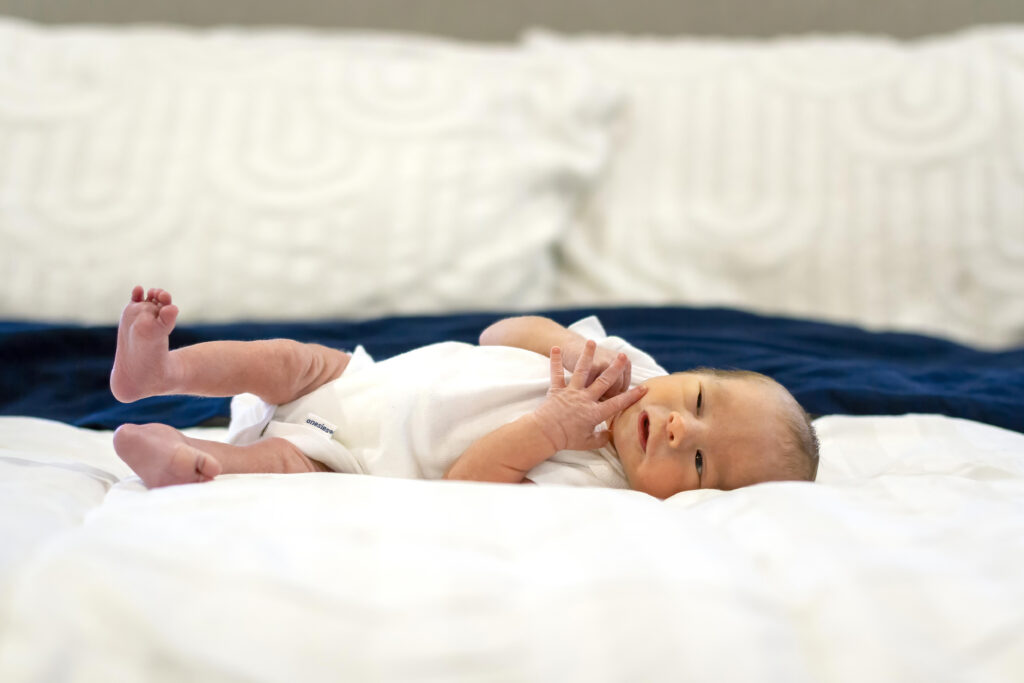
x: 60, y: 372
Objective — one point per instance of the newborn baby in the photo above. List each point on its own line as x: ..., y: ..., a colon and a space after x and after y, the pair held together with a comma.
x: 503, y: 411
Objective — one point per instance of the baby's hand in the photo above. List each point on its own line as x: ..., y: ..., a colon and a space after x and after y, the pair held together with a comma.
x: 570, y: 413
x: 603, y: 359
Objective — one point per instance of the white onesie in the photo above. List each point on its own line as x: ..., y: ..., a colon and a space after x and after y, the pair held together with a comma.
x: 414, y: 414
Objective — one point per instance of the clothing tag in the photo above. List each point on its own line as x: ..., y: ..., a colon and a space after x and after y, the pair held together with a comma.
x: 320, y: 423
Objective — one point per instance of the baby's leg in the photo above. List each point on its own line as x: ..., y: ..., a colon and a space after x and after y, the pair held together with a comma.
x: 276, y: 370
x: 163, y: 456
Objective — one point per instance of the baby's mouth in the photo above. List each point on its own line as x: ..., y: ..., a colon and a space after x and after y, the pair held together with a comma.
x: 643, y: 427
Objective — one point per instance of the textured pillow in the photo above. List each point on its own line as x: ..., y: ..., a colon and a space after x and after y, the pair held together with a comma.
x: 283, y: 174
x: 858, y: 179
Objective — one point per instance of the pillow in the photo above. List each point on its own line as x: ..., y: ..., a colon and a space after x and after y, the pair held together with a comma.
x: 858, y: 179
x: 283, y: 174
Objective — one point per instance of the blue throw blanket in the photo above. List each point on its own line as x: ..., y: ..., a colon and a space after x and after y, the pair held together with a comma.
x: 61, y: 372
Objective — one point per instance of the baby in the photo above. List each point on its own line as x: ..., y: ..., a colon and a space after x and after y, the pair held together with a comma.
x: 503, y: 411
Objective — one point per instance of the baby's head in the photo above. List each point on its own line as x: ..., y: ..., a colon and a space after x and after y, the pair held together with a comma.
x: 719, y: 429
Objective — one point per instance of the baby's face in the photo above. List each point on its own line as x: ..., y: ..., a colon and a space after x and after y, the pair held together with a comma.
x: 693, y: 430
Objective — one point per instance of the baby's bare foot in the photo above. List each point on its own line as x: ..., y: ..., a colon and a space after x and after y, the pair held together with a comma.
x: 162, y: 456
x: 142, y: 362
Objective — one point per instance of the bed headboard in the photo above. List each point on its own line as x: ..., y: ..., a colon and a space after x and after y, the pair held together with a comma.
x: 493, y: 21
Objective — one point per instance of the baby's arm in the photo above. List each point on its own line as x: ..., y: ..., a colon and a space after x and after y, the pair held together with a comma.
x: 565, y: 421
x: 540, y: 335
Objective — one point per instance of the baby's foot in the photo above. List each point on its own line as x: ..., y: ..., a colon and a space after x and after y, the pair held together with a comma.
x: 142, y: 361
x: 162, y: 456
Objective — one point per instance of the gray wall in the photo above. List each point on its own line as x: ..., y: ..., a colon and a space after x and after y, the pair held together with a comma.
x: 503, y: 20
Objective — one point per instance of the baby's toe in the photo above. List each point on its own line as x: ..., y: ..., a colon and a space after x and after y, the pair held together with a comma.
x: 207, y: 467
x: 168, y: 314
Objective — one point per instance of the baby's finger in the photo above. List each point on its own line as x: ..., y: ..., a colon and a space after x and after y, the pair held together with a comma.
x: 557, y: 370
x: 579, y: 376
x: 616, y: 404
x: 620, y: 386
x: 608, y: 378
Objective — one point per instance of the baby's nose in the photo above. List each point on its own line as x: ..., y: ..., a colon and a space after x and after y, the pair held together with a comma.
x: 677, y: 429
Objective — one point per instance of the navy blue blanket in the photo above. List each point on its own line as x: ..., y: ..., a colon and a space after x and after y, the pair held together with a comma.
x: 61, y: 372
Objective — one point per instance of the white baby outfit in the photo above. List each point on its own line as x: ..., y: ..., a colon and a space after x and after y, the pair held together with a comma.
x: 414, y: 414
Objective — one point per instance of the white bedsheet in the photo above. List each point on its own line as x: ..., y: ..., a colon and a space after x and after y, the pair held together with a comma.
x: 902, y: 563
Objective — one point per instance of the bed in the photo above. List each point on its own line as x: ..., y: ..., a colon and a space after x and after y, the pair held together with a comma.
x: 843, y: 212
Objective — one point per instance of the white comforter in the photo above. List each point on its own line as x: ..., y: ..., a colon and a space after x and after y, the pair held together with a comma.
x: 902, y: 563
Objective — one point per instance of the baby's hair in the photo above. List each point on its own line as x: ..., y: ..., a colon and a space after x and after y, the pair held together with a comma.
x: 801, y: 453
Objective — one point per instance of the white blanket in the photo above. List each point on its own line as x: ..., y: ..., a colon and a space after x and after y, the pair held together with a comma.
x: 901, y: 563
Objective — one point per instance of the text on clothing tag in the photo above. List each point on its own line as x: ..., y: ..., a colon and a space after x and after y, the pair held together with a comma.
x: 320, y: 423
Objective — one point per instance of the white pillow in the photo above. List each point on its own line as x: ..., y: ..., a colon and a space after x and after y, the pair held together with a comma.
x: 283, y: 174
x: 859, y: 179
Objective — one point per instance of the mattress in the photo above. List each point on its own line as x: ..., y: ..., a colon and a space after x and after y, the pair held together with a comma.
x: 900, y: 563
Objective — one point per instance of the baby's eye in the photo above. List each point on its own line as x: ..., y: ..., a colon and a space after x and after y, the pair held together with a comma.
x: 700, y: 397
x: 698, y: 461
